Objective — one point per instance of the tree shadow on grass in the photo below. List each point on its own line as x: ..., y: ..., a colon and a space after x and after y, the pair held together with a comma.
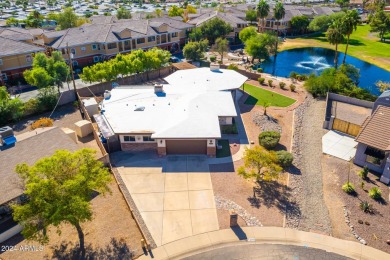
x: 273, y: 194
x: 355, y: 42
x: 116, y: 249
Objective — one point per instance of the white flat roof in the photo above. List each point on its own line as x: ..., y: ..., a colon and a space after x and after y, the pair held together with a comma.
x: 185, y: 110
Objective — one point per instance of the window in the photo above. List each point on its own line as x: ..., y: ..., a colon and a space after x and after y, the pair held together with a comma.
x: 1, y: 61
x: 94, y: 47
x: 28, y: 58
x: 129, y: 138
x: 111, y: 45
x: 83, y: 49
x: 175, y: 34
x: 4, y: 76
x: 63, y: 51
x: 73, y: 51
x: 96, y: 59
x: 75, y: 63
x: 140, y: 40
x: 147, y: 139
x: 151, y: 38
x: 374, y: 156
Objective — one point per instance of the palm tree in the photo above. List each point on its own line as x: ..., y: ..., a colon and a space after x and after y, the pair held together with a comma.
x: 279, y: 14
x: 262, y: 12
x: 335, y: 36
x: 349, y: 22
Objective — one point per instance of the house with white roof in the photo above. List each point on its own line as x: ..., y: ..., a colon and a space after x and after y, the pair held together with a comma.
x: 181, y: 117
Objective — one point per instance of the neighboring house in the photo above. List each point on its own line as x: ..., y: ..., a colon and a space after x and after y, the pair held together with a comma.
x: 235, y: 22
x: 181, y: 117
x: 96, y: 42
x: 15, y: 57
x: 373, y: 149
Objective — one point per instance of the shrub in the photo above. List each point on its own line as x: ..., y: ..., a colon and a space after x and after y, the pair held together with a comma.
x: 362, y: 185
x: 348, y: 188
x: 232, y: 67
x: 259, y: 70
x: 375, y: 193
x: 284, y: 158
x: 292, y: 87
x: 31, y: 106
x: 261, y: 80
x: 213, y: 58
x: 42, y: 122
x: 270, y: 82
x: 363, y: 173
x: 282, y: 85
x: 269, y: 139
x: 366, y: 207
x: 47, y: 98
x: 293, y: 75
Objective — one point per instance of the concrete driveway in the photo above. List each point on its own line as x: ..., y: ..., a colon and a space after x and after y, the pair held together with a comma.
x: 339, y: 145
x: 176, y: 200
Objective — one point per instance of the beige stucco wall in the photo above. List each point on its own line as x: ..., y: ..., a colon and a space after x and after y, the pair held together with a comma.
x: 15, y: 62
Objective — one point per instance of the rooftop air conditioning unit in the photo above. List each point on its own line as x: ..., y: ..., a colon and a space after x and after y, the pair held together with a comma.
x: 214, y: 67
x: 107, y: 94
x: 158, y: 88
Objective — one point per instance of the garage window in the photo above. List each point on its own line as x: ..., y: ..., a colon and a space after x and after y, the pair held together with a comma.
x: 148, y: 139
x: 129, y: 138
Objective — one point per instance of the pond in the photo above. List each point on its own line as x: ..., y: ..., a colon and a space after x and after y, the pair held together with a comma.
x: 315, y: 60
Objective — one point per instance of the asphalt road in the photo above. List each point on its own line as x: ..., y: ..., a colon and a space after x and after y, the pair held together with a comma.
x: 266, y: 252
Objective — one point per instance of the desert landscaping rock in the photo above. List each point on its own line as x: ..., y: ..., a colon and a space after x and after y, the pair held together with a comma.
x: 351, y: 227
x: 222, y: 203
x: 266, y: 123
x: 310, y: 211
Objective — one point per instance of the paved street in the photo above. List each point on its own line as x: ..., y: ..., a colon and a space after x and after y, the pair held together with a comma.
x: 175, y: 199
x: 266, y: 252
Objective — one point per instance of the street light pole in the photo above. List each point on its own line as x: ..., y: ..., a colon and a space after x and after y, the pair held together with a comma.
x: 71, y: 70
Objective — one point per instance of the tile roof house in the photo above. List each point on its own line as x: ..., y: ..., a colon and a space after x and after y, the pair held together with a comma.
x: 181, y: 117
x: 373, y: 148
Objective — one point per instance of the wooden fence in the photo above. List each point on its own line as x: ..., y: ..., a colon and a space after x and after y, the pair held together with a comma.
x: 346, y: 127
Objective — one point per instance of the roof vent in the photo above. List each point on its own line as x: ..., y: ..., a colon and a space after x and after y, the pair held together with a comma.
x: 107, y: 94
x: 139, y: 109
x: 158, y: 88
x: 214, y: 67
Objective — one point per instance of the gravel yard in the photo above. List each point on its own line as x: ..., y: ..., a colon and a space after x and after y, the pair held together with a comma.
x: 112, y: 234
x: 376, y: 231
x: 306, y: 183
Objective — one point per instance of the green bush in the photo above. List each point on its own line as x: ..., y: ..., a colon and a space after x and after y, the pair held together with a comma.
x: 349, y: 188
x: 260, y: 70
x: 31, y: 106
x: 366, y: 207
x: 269, y: 139
x: 213, y: 58
x: 270, y: 81
x: 261, y: 80
x: 282, y: 85
x: 375, y: 193
x: 363, y: 173
x: 284, y: 158
x: 292, y: 87
x: 293, y: 75
x: 47, y: 98
x: 232, y: 67
x: 229, y: 129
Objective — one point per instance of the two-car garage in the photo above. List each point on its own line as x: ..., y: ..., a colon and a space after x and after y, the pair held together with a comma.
x: 186, y: 146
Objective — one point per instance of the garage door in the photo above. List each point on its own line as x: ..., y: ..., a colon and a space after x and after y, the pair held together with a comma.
x: 186, y: 146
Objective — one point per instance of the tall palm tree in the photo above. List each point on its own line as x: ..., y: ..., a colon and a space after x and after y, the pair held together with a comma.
x: 349, y: 21
x: 335, y: 36
x: 279, y: 13
x: 262, y: 12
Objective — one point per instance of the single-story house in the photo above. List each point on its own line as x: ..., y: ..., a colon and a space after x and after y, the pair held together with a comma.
x: 181, y: 117
x: 373, y: 147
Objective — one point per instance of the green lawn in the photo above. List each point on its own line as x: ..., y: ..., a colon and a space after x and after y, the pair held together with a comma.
x: 259, y: 96
x: 363, y: 45
x: 225, y: 151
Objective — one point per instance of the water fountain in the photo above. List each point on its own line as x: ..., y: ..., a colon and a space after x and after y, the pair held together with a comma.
x: 314, y: 63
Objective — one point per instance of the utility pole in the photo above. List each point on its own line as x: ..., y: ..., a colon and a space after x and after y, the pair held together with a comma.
x: 71, y: 70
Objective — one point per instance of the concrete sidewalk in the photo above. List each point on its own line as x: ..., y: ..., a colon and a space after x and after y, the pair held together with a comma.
x: 263, y: 235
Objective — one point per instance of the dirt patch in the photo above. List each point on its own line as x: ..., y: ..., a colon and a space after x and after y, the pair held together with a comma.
x: 112, y: 233
x: 376, y: 232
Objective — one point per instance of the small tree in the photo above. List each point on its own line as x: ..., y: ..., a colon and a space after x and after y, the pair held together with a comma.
x: 282, y: 85
x: 269, y: 139
x: 265, y: 106
x: 251, y: 15
x: 292, y: 87
x: 363, y: 173
x: 123, y: 13
x: 247, y: 33
x: 195, y: 50
x: 270, y: 81
x: 260, y: 164
x: 221, y: 46
x: 59, y: 189
x: 261, y: 80
x: 10, y: 108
